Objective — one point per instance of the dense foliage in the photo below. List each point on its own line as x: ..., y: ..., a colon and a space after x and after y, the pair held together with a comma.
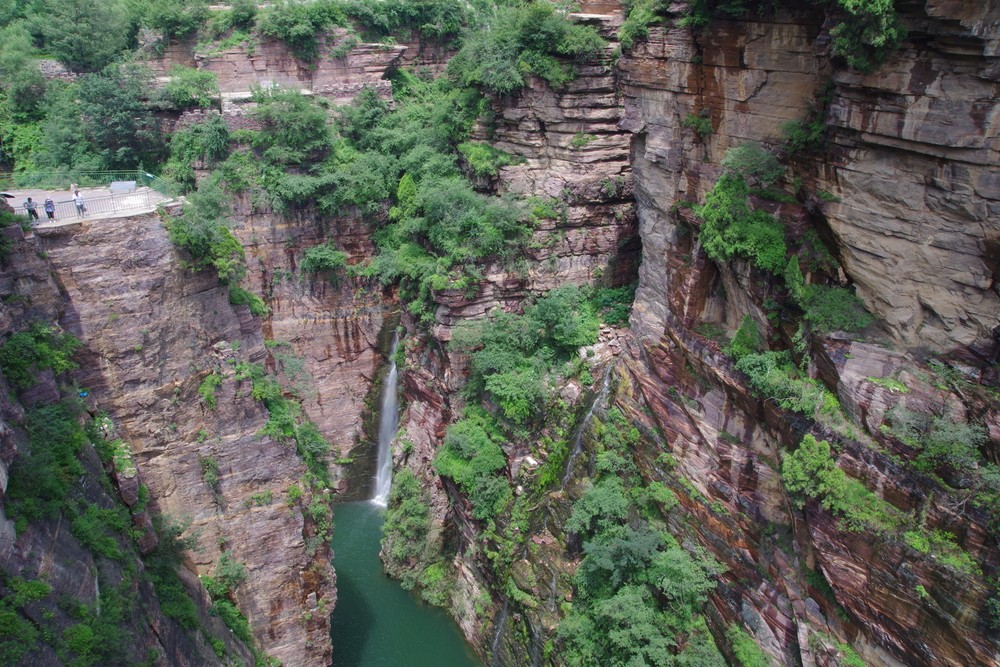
x: 811, y: 472
x: 730, y: 228
x: 206, y: 143
x: 639, y: 593
x: 203, y: 230
x: 511, y: 353
x: 521, y: 39
x: 472, y: 456
x: 26, y: 353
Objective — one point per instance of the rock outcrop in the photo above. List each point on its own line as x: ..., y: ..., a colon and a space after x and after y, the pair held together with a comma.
x: 153, y: 333
x: 898, y: 202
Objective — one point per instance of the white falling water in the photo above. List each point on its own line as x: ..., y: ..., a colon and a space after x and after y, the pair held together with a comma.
x: 388, y: 422
x: 599, y: 402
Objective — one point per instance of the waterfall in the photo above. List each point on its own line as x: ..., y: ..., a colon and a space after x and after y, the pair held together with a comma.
x: 599, y: 400
x: 501, y: 624
x: 388, y: 422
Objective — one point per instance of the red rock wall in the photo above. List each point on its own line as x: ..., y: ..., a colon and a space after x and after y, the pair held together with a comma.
x: 153, y: 332
x: 909, y: 159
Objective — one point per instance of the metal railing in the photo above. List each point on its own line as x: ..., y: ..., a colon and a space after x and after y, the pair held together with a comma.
x: 62, y: 180
x: 129, y: 201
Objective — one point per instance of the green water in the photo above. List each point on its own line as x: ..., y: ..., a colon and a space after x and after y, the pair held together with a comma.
x: 376, y: 623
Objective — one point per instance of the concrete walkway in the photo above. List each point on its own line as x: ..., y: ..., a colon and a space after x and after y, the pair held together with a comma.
x: 100, y: 204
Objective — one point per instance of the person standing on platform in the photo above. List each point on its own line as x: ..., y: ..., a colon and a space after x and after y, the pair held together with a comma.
x: 81, y: 210
x: 50, y: 208
x: 30, y: 207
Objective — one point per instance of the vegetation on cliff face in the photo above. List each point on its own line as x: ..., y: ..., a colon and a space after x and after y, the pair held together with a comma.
x: 52, y: 483
x: 522, y: 39
x: 639, y: 594
x: 865, y: 34
x: 511, y: 354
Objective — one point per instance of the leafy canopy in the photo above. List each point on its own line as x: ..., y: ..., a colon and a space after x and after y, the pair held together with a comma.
x: 519, y: 40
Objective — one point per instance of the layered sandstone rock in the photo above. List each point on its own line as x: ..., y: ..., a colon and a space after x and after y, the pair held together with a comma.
x: 909, y: 202
x: 45, y: 550
x: 325, y: 327
x: 153, y: 332
x: 269, y: 62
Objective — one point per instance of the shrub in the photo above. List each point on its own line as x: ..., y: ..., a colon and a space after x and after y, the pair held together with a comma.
x: 868, y: 34
x: 101, y: 122
x: 27, y: 353
x: 746, y: 650
x: 751, y: 162
x: 516, y: 350
x: 471, y: 456
x: 640, y: 15
x: 746, y: 341
x: 406, y: 523
x: 774, y: 376
x: 175, y: 18
x: 44, y: 473
x: 189, y: 88
x: 210, y: 471
x: 202, y: 229
x: 243, y: 14
x: 324, y: 257
x: 22, y: 79
x: 161, y: 567
x: 206, y: 142
x: 85, y: 35
x: 524, y: 39
x: 295, y: 130
x: 810, y: 472
x: 701, y: 123
x: 833, y: 309
x: 97, y: 527
x: 433, y: 19
x: 731, y: 228
x: 614, y: 304
x: 297, y: 24
x: 226, y: 577
x: 483, y: 159
x: 800, y: 135
x: 208, y: 387
x: 243, y: 297
x: 233, y: 619
x: 581, y: 140
x: 17, y: 635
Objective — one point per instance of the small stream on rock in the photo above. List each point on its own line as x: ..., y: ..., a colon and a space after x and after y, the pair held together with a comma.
x: 375, y: 622
x: 599, y: 402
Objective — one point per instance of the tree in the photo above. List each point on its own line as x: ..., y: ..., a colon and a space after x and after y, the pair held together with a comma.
x: 21, y: 77
x: 176, y: 18
x: 295, y: 129
x: 116, y: 120
x: 751, y: 162
x: 85, y: 35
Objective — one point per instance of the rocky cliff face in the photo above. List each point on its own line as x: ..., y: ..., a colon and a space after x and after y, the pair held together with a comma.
x: 326, y: 328
x: 891, y: 198
x: 154, y: 332
x: 907, y: 202
x: 902, y: 192
x: 78, y: 576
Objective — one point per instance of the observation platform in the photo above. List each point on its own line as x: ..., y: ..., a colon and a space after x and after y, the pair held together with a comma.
x: 105, y: 195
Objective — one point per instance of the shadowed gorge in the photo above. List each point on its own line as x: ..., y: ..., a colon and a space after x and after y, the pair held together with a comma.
x: 510, y: 333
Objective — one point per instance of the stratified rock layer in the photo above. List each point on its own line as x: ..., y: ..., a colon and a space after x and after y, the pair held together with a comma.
x: 153, y: 332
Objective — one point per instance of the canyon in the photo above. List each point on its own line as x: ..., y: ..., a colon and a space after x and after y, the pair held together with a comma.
x: 900, y: 200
